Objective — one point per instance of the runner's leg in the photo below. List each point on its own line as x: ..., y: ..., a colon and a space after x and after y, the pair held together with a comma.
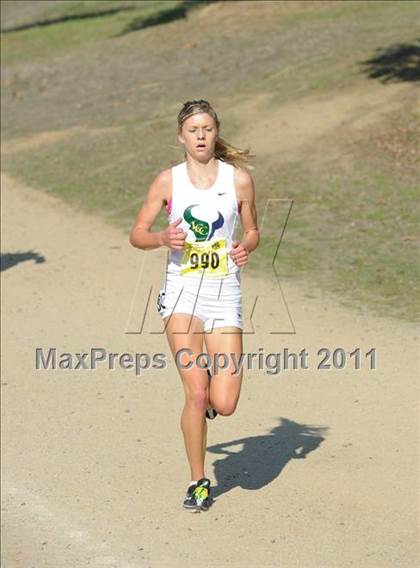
x: 204, y: 439
x: 186, y: 331
x: 225, y: 385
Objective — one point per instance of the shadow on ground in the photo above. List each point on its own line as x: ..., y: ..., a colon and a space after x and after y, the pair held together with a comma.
x: 164, y: 15
x: 67, y: 18
x: 263, y: 458
x: 399, y: 62
x: 10, y: 259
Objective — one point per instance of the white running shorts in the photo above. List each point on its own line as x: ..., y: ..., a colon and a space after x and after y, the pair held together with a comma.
x: 216, y: 301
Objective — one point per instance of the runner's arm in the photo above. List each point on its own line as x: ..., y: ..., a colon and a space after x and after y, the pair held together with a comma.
x: 248, y: 212
x: 140, y: 236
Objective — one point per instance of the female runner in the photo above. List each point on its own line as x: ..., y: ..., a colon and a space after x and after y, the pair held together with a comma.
x: 201, y: 300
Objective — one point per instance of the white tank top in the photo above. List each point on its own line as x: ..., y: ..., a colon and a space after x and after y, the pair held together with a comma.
x: 209, y: 216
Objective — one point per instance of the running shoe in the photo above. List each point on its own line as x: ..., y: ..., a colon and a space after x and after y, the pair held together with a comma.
x: 198, y: 496
x: 189, y: 501
x: 210, y: 412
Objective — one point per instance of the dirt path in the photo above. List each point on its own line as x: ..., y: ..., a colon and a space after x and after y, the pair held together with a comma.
x: 308, y: 121
x: 93, y: 461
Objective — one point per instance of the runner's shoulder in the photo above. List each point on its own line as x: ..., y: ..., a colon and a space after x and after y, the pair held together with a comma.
x: 243, y: 180
x: 162, y: 184
x: 164, y: 178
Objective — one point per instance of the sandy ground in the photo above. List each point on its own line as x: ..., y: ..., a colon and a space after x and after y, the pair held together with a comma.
x: 316, y: 468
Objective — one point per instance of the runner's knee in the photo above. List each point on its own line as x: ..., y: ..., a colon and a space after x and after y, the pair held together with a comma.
x: 198, y: 399
x: 225, y: 408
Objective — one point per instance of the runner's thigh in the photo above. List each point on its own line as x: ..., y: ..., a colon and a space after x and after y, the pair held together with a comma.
x: 225, y: 386
x: 186, y: 332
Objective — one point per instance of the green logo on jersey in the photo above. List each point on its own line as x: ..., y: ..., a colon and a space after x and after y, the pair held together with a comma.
x: 201, y: 228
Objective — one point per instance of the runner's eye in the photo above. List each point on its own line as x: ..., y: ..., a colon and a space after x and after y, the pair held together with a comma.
x: 194, y: 129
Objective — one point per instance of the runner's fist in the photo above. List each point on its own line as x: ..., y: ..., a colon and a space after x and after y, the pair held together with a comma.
x: 239, y: 254
x: 173, y: 236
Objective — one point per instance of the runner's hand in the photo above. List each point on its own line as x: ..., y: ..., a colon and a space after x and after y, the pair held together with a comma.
x: 174, y: 237
x: 239, y: 254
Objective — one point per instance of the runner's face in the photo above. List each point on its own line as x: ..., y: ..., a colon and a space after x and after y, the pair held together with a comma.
x: 199, y: 135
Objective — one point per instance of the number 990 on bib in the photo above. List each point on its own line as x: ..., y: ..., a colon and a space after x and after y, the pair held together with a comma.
x: 208, y: 257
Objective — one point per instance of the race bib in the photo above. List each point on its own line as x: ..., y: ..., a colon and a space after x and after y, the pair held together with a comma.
x: 208, y: 257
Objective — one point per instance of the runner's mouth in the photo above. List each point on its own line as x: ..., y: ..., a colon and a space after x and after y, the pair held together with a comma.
x: 200, y: 146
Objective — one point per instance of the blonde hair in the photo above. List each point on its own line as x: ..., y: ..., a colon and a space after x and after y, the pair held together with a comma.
x: 223, y: 150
